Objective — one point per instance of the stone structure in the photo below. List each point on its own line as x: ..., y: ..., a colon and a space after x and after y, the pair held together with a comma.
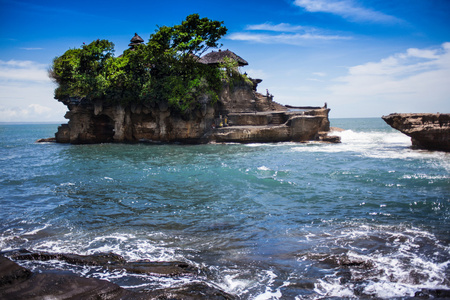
x: 240, y: 115
x: 427, y: 131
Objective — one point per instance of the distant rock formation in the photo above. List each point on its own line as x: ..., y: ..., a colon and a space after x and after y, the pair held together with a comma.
x: 240, y: 115
x: 427, y: 131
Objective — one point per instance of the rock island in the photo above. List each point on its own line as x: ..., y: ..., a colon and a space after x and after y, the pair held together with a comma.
x: 427, y: 131
x: 169, y: 90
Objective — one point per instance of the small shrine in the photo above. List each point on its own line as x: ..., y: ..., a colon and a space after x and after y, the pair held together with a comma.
x: 136, y: 40
x: 217, y: 57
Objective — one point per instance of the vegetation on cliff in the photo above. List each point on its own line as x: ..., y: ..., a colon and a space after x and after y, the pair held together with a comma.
x: 166, y: 69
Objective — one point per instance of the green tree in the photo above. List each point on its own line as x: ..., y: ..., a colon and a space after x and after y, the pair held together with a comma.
x: 127, y: 77
x: 176, y: 72
x: 193, y: 36
x: 167, y: 68
x: 82, y: 72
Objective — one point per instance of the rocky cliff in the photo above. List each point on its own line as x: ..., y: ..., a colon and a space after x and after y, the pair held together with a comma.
x: 427, y: 131
x: 240, y: 115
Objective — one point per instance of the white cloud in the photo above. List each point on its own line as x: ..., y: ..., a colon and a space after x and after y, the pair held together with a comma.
x: 33, y: 112
x: 285, y: 34
x: 282, y: 27
x: 23, y: 70
x: 414, y: 81
x: 290, y: 39
x: 26, y: 93
x: 39, y: 109
x: 31, y: 48
x: 348, y: 9
x: 414, y: 52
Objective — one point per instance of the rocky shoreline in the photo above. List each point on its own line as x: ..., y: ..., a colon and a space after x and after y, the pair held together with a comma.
x: 17, y: 282
x: 427, y: 131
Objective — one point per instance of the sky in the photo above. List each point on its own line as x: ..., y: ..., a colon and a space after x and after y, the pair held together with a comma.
x: 365, y: 58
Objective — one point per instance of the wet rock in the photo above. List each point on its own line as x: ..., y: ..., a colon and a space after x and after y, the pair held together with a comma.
x: 433, y: 293
x: 89, y: 260
x: 427, y: 131
x: 168, y: 269
x: 11, y: 273
x: 192, y: 291
x: 17, y: 282
x: 47, y: 140
x: 324, y: 137
x: 113, y: 262
x: 334, y: 139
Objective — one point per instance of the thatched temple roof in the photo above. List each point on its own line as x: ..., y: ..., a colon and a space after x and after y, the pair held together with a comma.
x: 214, y: 57
x: 136, y: 40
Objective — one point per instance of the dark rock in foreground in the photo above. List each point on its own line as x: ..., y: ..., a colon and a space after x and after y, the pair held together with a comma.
x: 113, y: 262
x: 190, y: 291
x: 432, y: 293
x: 427, y: 131
x: 17, y: 282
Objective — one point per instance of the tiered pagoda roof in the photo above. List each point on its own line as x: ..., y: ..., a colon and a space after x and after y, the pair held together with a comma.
x: 217, y: 57
x: 136, y: 40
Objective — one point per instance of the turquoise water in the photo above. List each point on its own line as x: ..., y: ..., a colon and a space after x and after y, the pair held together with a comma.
x: 367, y: 217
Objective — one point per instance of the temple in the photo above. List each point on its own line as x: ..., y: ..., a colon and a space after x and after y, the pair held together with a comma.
x: 135, y: 40
x: 240, y: 115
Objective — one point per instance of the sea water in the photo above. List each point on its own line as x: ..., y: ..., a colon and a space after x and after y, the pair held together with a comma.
x: 365, y: 218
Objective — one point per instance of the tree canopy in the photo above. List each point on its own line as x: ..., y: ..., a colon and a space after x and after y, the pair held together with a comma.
x: 167, y: 68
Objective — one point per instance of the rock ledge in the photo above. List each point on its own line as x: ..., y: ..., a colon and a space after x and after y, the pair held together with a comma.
x: 17, y: 282
x: 427, y: 131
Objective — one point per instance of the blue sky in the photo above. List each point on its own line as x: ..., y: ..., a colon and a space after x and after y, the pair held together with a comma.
x: 365, y: 58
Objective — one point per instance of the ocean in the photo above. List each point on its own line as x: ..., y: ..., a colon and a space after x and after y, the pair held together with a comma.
x: 369, y: 217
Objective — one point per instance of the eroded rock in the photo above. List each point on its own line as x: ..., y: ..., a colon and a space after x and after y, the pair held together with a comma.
x: 427, y: 131
x: 238, y: 107
x: 193, y: 291
x: 17, y: 282
x: 112, y: 262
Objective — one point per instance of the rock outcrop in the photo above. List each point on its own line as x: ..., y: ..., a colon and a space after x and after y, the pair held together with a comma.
x: 17, y: 282
x: 427, y: 131
x: 240, y: 115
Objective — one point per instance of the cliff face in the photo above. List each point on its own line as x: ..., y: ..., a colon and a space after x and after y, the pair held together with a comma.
x: 240, y: 115
x: 102, y: 123
x: 275, y: 126
x: 427, y: 131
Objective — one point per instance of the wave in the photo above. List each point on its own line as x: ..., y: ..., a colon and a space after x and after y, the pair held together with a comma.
x: 373, y: 144
x: 346, y: 260
x: 381, y: 261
